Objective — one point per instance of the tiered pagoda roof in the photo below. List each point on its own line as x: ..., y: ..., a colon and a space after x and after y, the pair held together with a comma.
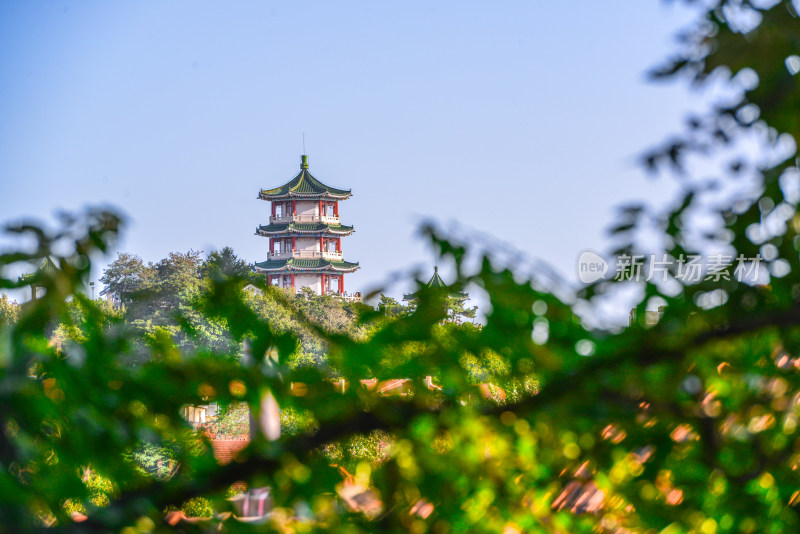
x: 297, y: 264
x: 437, y: 282
x: 315, y: 233
x: 304, y: 186
x: 48, y: 267
x: 305, y: 229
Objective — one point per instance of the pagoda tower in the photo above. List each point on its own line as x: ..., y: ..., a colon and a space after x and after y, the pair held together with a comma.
x: 305, y: 235
x: 437, y: 283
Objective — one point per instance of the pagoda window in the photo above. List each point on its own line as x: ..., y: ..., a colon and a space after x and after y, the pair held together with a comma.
x: 329, y: 209
x: 279, y: 210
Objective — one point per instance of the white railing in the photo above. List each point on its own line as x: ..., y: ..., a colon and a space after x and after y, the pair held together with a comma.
x: 304, y: 254
x: 307, y: 254
x: 283, y: 219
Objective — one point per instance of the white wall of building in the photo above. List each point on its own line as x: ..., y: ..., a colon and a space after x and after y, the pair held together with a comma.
x: 308, y: 208
x: 307, y: 244
x: 308, y: 280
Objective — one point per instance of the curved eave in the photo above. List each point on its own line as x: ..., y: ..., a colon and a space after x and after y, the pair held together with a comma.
x: 457, y: 295
x: 48, y: 268
x: 304, y: 185
x: 288, y: 229
x: 265, y: 195
x: 314, y: 267
x: 351, y: 268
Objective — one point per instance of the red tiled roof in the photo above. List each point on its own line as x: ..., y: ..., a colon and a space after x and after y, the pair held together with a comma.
x: 225, y: 450
x: 580, y: 498
x: 369, y: 383
x: 396, y: 386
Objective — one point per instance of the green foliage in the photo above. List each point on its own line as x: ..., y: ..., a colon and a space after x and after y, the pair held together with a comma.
x: 458, y: 312
x: 126, y: 276
x: 686, y: 425
x: 294, y: 422
x: 232, y: 422
x: 154, y: 460
x: 98, y: 490
x: 390, y: 307
x: 226, y: 263
x: 373, y: 448
x: 197, y: 507
x: 9, y: 311
x: 303, y: 315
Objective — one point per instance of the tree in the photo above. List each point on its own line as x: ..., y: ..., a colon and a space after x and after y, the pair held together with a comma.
x: 227, y: 263
x: 9, y: 311
x: 390, y: 307
x: 458, y: 312
x: 178, y: 278
x: 125, y: 275
x: 685, y: 424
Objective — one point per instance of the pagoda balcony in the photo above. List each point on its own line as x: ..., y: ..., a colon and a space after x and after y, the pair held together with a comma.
x: 305, y: 255
x: 325, y: 219
x: 336, y: 256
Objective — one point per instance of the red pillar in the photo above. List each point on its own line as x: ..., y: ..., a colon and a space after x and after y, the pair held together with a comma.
x: 322, y: 284
x: 341, y: 284
x: 272, y: 245
x: 321, y: 213
x: 293, y: 246
x: 321, y: 244
x: 294, y: 207
x: 336, y: 209
x: 339, y: 245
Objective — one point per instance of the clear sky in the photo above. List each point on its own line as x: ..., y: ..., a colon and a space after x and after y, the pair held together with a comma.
x: 521, y: 119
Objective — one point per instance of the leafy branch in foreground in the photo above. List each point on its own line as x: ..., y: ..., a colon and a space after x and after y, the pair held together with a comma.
x: 686, y: 425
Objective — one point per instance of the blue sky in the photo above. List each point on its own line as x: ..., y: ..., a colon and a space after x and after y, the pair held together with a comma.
x: 519, y: 119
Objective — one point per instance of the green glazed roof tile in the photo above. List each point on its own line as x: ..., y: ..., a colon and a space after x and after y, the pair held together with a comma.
x: 304, y: 185
x: 297, y: 264
x: 48, y: 266
x: 296, y: 228
x: 437, y: 282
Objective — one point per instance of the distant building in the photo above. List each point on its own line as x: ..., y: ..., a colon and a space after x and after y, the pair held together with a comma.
x: 48, y: 268
x: 305, y: 235
x: 112, y: 297
x: 455, y: 299
x: 437, y: 282
x: 651, y: 317
x: 253, y: 290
